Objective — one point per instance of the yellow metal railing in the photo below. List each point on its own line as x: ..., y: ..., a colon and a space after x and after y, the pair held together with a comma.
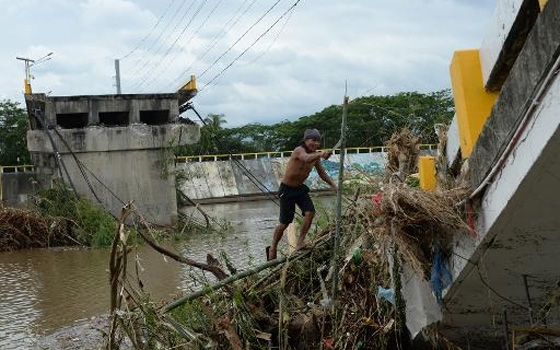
x: 261, y: 155
x: 12, y: 169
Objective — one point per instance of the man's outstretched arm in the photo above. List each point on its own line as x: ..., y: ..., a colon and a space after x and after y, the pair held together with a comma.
x: 325, y: 177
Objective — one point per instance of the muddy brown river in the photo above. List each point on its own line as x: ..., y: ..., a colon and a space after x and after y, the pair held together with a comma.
x: 44, y: 290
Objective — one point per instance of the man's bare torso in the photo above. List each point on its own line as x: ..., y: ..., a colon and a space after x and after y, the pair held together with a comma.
x: 297, y: 170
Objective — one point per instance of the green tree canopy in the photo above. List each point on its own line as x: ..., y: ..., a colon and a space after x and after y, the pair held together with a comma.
x: 373, y: 119
x: 371, y: 122
x: 13, y: 130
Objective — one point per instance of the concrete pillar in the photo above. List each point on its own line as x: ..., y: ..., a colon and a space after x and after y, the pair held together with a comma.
x: 473, y: 103
x: 427, y: 172
x: 93, y: 115
x: 134, y: 112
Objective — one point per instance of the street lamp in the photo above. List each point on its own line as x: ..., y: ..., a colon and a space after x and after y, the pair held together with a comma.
x: 28, y: 64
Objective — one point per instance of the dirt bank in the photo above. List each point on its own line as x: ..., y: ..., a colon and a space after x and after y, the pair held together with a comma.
x: 83, y: 334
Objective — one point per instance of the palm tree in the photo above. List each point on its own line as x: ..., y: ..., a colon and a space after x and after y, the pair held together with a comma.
x: 209, y: 133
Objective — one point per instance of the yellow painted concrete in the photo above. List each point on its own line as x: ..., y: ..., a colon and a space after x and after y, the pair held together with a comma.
x: 26, y: 86
x: 473, y: 103
x: 542, y: 3
x: 427, y: 172
x: 190, y: 85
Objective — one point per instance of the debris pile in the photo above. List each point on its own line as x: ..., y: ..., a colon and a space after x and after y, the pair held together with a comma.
x: 403, y: 150
x: 291, y: 302
x: 58, y: 218
x: 22, y: 229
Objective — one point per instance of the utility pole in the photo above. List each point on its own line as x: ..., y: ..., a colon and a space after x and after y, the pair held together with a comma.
x: 118, y: 76
x: 27, y: 81
x: 28, y: 64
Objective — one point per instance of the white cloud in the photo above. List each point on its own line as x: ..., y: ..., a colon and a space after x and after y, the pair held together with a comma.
x: 298, y: 68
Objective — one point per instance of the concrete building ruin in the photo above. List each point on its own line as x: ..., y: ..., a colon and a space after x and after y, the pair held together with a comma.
x: 112, y: 148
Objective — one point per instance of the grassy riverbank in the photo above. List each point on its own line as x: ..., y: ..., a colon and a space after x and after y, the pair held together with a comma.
x: 57, y: 217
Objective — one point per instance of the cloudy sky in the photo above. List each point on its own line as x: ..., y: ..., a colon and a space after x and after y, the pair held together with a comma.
x: 256, y: 60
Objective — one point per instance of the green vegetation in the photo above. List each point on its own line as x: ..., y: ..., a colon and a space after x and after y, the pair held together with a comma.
x: 13, y: 128
x: 91, y: 225
x: 371, y: 122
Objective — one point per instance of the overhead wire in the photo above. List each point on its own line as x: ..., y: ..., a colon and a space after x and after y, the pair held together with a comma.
x: 150, y: 55
x: 240, y: 38
x: 214, y: 41
x: 273, y: 40
x: 260, y: 186
x: 188, y: 41
x: 150, y: 32
x: 168, y: 51
x: 252, y: 178
x: 146, y: 58
x: 250, y: 46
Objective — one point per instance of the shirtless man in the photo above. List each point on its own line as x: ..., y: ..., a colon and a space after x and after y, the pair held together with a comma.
x: 293, y: 191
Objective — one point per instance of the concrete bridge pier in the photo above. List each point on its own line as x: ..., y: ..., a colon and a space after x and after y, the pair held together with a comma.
x: 113, y: 148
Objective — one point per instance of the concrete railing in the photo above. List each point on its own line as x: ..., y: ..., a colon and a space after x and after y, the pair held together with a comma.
x: 219, y: 180
x: 16, y: 168
x: 282, y: 154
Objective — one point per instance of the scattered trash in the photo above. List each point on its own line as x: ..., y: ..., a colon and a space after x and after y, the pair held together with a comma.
x: 441, y: 276
x: 386, y: 294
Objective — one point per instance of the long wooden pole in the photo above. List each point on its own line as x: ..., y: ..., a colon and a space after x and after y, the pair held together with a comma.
x: 336, y: 246
x: 224, y: 282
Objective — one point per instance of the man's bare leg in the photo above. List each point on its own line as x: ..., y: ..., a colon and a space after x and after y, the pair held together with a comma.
x: 307, y: 220
x: 278, y: 232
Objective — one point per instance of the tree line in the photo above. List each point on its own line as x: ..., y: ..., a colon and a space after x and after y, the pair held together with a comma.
x: 371, y: 122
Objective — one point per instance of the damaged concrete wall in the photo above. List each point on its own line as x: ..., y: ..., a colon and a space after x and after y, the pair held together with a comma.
x: 250, y: 178
x: 112, y: 148
x: 17, y: 188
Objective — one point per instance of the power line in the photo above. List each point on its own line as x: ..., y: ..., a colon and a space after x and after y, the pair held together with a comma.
x: 146, y: 67
x: 182, y: 76
x: 250, y: 46
x: 240, y: 38
x: 202, y: 4
x: 154, y: 42
x: 191, y: 37
x: 158, y: 39
x: 273, y: 40
x: 151, y: 31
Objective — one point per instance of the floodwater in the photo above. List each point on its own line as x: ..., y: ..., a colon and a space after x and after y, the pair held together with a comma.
x: 44, y: 290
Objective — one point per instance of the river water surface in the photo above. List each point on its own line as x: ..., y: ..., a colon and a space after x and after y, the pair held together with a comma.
x: 44, y: 290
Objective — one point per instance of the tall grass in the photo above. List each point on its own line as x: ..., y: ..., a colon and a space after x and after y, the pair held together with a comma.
x: 88, y: 223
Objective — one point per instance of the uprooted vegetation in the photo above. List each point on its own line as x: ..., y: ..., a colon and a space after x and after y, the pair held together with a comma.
x: 290, y: 302
x: 20, y: 229
x: 57, y: 217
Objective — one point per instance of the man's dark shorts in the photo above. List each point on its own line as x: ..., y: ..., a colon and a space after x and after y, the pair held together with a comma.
x: 289, y: 197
